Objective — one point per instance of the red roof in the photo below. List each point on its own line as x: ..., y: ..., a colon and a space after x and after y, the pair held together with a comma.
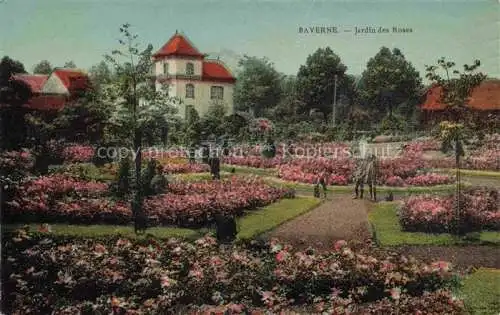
x: 215, y: 71
x: 178, y: 45
x: 46, y: 102
x: 34, y: 81
x: 484, y: 97
x: 73, y: 79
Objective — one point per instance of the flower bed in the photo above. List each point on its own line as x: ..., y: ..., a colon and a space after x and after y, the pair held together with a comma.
x: 480, y: 211
x: 56, y: 276
x: 178, y: 168
x: 401, y: 171
x: 62, y: 199
x: 78, y: 153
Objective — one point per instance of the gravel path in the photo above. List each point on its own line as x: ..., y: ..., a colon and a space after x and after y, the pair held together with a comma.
x: 338, y: 218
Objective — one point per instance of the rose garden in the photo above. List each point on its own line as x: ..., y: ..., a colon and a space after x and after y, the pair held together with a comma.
x: 118, y: 224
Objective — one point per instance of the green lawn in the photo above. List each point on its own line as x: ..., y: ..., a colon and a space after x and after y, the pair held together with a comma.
x: 481, y: 292
x: 258, y: 222
x: 472, y: 173
x: 387, y: 230
x: 350, y: 188
x: 249, y: 170
x: 252, y: 224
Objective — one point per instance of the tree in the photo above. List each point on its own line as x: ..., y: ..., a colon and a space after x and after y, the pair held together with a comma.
x: 192, y: 127
x: 213, y: 121
x: 8, y: 67
x: 135, y: 103
x: 14, y: 95
x: 85, y: 118
x: 388, y: 81
x: 43, y: 67
x: 316, y: 81
x: 287, y: 109
x: 258, y: 85
x: 70, y: 64
x: 455, y: 89
x: 100, y: 74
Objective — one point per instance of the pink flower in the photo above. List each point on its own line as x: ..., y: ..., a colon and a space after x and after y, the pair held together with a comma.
x: 281, y: 256
x: 166, y: 282
x: 441, y: 266
x: 395, y: 293
x: 339, y: 245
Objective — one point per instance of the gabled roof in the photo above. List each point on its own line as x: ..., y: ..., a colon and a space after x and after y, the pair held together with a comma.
x: 178, y: 45
x: 34, y: 81
x: 484, y: 97
x: 216, y: 71
x: 72, y: 79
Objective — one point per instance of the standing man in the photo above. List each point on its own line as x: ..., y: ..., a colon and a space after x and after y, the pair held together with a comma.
x: 359, y: 177
x: 371, y: 176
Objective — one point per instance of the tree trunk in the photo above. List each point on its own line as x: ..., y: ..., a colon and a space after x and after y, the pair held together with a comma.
x: 137, y: 200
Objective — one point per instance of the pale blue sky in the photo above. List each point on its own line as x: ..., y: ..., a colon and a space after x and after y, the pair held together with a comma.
x: 84, y: 30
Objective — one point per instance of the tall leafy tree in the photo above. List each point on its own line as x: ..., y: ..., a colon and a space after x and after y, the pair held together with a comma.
x: 8, y: 67
x: 316, y: 81
x: 389, y: 81
x: 100, y: 74
x: 258, y: 85
x: 455, y: 88
x: 136, y: 103
x: 13, y: 94
x: 43, y: 67
x: 288, y: 108
x: 213, y: 121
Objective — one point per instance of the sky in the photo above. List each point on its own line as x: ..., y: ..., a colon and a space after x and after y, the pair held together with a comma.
x: 84, y: 30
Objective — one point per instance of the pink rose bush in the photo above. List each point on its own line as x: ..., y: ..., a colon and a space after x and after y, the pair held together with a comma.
x: 78, y: 153
x: 59, y: 198
x: 177, y: 168
x: 479, y: 210
x: 148, y: 276
x: 429, y: 179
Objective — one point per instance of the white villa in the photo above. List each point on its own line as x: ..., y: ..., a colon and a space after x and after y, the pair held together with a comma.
x: 197, y: 81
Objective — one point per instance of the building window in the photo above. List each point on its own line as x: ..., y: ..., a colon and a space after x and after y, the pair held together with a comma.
x: 165, y: 68
x: 217, y: 92
x: 189, y: 91
x: 189, y: 68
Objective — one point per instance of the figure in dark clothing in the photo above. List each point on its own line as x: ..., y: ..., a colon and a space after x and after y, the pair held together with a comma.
x: 205, y: 154
x: 226, y: 229
x: 214, y: 163
x: 359, y: 178
x: 371, y: 172
x: 320, y: 185
x: 192, y: 154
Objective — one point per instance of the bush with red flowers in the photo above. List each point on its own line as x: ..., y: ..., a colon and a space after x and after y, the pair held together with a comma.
x: 78, y: 153
x: 479, y: 210
x: 42, y: 274
x: 59, y: 198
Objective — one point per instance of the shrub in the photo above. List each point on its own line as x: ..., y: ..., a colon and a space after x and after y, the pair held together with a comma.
x: 478, y: 211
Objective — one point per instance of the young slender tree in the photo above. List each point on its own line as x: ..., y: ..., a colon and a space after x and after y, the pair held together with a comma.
x: 455, y: 88
x: 136, y: 103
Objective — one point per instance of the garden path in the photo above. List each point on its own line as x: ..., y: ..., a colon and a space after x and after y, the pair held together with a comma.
x: 337, y: 218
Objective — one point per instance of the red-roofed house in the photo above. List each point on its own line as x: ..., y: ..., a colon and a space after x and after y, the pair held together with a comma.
x: 52, y: 92
x: 484, y: 102
x: 197, y: 81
